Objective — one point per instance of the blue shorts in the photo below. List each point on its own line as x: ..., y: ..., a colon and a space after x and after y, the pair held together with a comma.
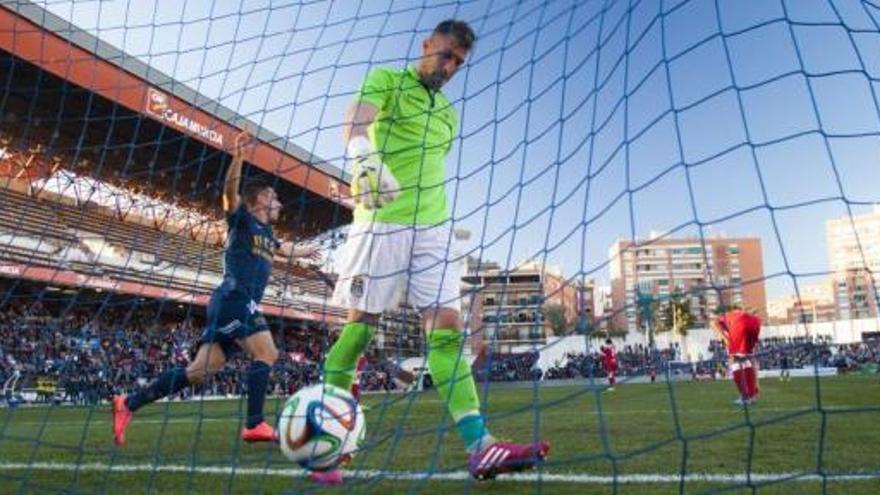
x: 231, y: 317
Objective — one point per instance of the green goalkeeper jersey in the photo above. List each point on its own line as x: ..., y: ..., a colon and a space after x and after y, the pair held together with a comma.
x: 413, y: 133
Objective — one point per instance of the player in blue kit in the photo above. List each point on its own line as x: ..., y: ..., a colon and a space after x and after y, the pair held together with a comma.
x: 233, y: 321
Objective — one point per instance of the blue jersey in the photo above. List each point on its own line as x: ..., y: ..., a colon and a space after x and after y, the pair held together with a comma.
x: 247, y: 262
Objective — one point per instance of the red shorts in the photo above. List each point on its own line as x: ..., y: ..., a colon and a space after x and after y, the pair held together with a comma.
x: 610, y: 366
x: 744, y: 332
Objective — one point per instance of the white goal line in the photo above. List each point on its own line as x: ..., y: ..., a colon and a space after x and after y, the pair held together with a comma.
x: 646, y: 478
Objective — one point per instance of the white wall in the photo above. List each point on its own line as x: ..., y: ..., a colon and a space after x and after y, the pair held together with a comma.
x: 557, y: 348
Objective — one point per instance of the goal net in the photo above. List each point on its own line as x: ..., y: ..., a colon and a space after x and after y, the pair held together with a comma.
x: 617, y: 170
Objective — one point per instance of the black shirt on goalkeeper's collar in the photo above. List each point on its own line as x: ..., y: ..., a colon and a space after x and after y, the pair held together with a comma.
x: 247, y: 261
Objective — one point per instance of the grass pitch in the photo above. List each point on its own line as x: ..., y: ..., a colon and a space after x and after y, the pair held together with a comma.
x: 805, y: 436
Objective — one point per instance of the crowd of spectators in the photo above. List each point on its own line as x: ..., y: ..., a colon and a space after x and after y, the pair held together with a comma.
x: 83, y: 357
x: 632, y: 360
x: 805, y: 352
x: 853, y: 356
x: 793, y: 352
x: 507, y: 367
x: 774, y: 353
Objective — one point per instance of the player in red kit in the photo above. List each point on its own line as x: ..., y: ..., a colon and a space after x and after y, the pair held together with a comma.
x: 356, y: 384
x: 740, y: 331
x: 609, y: 363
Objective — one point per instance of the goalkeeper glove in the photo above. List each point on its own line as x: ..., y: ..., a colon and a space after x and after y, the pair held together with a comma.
x: 372, y: 184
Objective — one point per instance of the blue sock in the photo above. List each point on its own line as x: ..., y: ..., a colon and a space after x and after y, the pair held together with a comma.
x: 168, y: 383
x: 473, y: 431
x: 257, y: 382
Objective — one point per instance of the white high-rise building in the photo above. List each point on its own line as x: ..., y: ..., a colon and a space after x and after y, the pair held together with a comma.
x: 854, y: 242
x: 854, y: 259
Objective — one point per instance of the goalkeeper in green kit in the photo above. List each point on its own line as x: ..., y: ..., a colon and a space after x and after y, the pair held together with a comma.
x: 397, y: 133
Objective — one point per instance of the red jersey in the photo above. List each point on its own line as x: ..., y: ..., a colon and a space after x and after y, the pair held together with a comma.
x: 356, y: 383
x: 609, y: 357
x: 743, y: 330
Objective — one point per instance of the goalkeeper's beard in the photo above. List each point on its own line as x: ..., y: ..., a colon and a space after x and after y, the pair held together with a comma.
x: 435, y: 79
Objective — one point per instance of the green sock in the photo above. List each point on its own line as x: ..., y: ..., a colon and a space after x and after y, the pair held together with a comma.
x: 452, y: 376
x: 341, y: 360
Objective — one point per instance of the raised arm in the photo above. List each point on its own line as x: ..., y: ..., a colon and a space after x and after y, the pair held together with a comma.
x: 231, y: 198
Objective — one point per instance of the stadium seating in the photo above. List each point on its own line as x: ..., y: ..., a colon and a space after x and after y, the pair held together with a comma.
x: 22, y: 214
x: 63, y: 225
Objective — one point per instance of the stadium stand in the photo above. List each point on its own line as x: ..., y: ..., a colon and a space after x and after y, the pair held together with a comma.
x: 638, y: 361
x: 83, y: 238
x: 103, y: 199
x: 111, y: 344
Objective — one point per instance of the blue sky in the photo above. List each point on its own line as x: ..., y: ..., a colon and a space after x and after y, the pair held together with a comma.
x: 582, y: 122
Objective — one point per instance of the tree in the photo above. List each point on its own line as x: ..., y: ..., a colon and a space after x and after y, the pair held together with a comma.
x: 682, y: 318
x: 662, y: 316
x: 555, y: 315
x: 673, y: 314
x: 645, y: 311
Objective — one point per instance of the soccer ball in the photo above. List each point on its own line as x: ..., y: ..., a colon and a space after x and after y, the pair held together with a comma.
x: 321, y: 427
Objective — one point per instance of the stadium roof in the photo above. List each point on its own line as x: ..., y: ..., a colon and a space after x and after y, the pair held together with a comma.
x: 59, y: 47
